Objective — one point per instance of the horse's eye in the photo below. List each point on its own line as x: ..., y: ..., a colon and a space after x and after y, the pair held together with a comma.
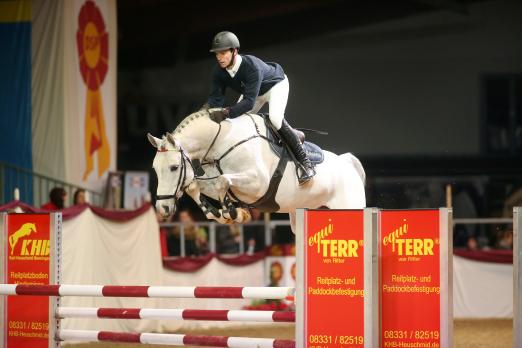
x: 173, y: 168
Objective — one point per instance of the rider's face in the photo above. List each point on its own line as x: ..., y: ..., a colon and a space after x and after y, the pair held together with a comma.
x: 224, y: 58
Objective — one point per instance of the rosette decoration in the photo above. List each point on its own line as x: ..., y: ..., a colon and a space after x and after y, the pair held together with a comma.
x: 93, y: 51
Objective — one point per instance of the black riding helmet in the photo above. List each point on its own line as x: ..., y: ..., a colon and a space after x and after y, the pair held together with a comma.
x: 223, y: 41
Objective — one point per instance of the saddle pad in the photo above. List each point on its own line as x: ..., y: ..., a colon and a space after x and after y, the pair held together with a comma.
x: 314, y: 152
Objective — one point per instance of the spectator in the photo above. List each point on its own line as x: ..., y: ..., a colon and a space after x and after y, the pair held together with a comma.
x: 57, y: 198
x: 171, y: 236
x: 514, y: 200
x: 465, y: 206
x: 202, y: 241
x: 79, y: 197
x: 194, y: 234
x: 228, y: 239
x: 472, y: 244
x: 255, y: 235
x: 506, y: 240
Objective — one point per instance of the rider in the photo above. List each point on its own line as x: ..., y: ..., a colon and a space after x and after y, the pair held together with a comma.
x: 257, y: 82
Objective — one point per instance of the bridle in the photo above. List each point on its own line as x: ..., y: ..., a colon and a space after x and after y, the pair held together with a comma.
x: 182, y: 178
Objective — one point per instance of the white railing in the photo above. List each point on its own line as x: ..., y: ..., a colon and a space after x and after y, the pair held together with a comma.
x: 270, y: 226
x: 33, y: 188
x: 212, y: 227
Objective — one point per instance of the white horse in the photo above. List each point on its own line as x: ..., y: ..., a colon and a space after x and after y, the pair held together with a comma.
x: 238, y: 166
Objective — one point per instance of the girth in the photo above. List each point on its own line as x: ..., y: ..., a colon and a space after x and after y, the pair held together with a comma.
x: 267, y: 203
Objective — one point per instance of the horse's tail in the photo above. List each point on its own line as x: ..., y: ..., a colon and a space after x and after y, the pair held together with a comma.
x: 357, y: 164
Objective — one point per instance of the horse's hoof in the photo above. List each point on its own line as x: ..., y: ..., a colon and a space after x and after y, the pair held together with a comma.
x: 225, y: 218
x: 244, y: 216
x: 232, y: 212
x: 226, y: 214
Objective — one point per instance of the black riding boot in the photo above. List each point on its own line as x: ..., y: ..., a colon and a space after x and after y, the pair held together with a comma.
x: 305, y: 168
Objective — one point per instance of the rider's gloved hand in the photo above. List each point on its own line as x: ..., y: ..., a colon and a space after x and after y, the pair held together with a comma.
x: 219, y: 115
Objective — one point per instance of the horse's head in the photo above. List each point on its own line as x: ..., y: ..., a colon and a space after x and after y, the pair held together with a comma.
x: 174, y: 171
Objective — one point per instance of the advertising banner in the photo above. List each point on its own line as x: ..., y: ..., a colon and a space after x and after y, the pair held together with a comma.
x: 333, y: 275
x: 26, y: 251
x: 410, y: 278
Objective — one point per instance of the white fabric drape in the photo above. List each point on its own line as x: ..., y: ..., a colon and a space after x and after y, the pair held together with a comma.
x: 47, y: 88
x: 98, y: 251
x: 103, y: 252
x: 482, y: 289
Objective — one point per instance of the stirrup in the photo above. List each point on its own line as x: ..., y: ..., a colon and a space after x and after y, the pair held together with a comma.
x: 304, y: 173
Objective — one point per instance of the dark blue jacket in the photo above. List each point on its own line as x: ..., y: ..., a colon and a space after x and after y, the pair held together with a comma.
x: 253, y: 78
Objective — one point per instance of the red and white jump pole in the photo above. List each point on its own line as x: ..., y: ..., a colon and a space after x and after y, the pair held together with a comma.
x: 267, y: 293
x: 176, y: 314
x: 173, y: 339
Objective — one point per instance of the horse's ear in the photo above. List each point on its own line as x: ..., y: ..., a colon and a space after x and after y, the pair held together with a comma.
x: 172, y: 140
x: 153, y: 140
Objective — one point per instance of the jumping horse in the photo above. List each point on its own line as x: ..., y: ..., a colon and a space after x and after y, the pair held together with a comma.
x: 241, y: 163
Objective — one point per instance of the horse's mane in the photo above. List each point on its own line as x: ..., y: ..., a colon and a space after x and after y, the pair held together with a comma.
x: 189, y: 119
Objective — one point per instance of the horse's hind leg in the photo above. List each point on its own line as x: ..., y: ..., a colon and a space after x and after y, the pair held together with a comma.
x: 349, y: 192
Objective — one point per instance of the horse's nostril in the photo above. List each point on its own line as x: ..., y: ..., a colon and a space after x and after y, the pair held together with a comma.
x: 166, y: 208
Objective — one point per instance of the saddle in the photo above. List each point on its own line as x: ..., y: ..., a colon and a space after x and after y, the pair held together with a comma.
x: 267, y: 203
x: 314, y: 152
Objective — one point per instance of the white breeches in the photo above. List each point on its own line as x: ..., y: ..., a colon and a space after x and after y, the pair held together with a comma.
x: 276, y: 97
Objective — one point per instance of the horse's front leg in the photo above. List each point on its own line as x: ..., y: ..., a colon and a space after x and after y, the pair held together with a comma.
x: 230, y: 209
x: 210, y: 211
